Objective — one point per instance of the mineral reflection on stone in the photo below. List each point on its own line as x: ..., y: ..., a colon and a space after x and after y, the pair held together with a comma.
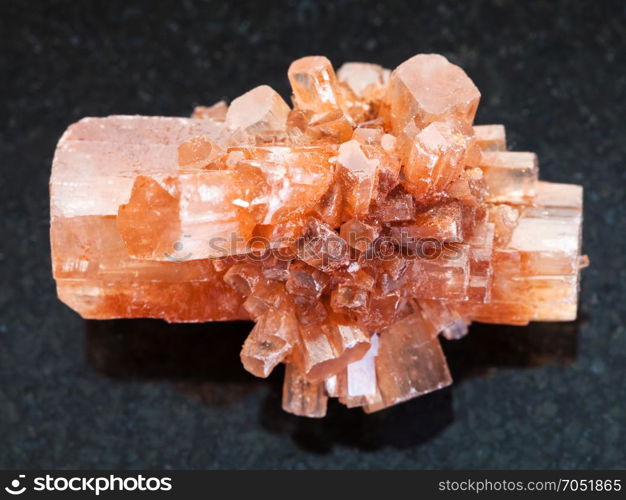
x: 355, y: 228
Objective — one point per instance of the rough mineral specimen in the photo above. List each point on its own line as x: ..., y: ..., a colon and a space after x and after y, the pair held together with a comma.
x: 354, y: 228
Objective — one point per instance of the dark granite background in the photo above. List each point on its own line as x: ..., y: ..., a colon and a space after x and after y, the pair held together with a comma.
x: 146, y: 394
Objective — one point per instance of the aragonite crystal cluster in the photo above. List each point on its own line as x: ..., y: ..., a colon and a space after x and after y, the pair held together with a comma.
x: 354, y: 228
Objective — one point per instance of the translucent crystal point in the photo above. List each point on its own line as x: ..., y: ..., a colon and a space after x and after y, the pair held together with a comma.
x: 314, y: 84
x: 511, y: 177
x: 260, y: 110
x: 435, y: 155
x: 428, y: 88
x: 301, y: 396
x: 490, y: 137
x: 409, y: 363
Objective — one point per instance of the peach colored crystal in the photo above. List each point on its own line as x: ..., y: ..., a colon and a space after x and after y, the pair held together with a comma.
x: 355, y: 228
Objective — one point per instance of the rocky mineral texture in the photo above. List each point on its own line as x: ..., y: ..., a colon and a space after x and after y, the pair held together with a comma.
x: 354, y: 228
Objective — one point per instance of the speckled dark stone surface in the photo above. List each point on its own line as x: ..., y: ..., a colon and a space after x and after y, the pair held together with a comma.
x: 147, y: 394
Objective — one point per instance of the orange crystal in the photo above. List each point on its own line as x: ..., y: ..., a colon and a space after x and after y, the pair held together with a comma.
x: 355, y: 228
x: 426, y: 89
x: 260, y: 111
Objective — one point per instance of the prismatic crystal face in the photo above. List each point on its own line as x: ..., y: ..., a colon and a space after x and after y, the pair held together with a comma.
x: 354, y: 228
